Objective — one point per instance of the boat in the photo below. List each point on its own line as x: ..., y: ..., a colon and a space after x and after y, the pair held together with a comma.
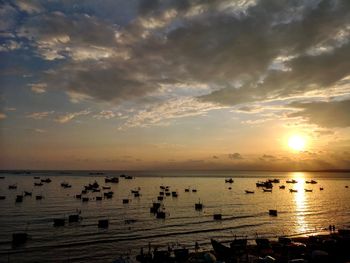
x: 106, y: 187
x: 293, y: 190
x: 74, y: 218
x: 273, y: 212
x: 19, y: 198
x: 198, y: 206
x: 160, y: 215
x: 174, y: 194
x: 308, y: 190
x: 265, y: 184
x: 111, y: 180
x: 59, y: 221
x: 96, y: 173
x: 249, y: 192
x: 103, y: 223
x: 230, y: 181
x: 39, y: 197
x: 38, y: 184
x: 217, y: 216
x: 313, y: 182
x: 65, y: 185
x: 27, y: 193
x: 275, y: 181
x: 291, y: 181
x: 321, y: 188
x: 19, y: 238
x: 13, y: 186
x: 267, y: 190
x: 282, y: 187
x: 46, y: 180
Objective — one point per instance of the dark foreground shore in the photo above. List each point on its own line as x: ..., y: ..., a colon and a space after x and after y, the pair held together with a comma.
x: 326, y: 248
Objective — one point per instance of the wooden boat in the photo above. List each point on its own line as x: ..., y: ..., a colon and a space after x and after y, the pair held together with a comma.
x: 267, y: 190
x: 46, y: 180
x: 217, y: 216
x: 198, y: 206
x: 282, y: 187
x: 230, y: 181
x: 291, y: 181
x: 38, y: 184
x: 39, y: 197
x: 293, y: 190
x: 19, y: 198
x: 111, y: 180
x: 103, y: 223
x: 59, y: 221
x: 73, y: 218
x: 273, y: 212
x: 19, y: 238
x: 27, y: 193
x: 13, y: 186
x: 308, y: 190
x: 249, y: 192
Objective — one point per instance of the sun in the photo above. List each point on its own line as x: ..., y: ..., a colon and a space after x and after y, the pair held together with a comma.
x: 297, y: 143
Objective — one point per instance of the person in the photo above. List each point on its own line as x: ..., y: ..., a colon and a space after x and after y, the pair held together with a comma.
x: 196, y: 246
x: 330, y: 228
x: 333, y: 228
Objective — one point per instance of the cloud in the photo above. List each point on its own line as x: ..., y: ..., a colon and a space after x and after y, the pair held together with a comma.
x: 10, y: 109
x: 38, y: 87
x: 8, y: 16
x: 70, y: 116
x: 39, y: 115
x: 30, y: 7
x: 2, y: 116
x: 106, y: 114
x: 235, y: 156
x: 10, y: 45
x: 159, y: 113
x: 332, y: 114
x: 243, y: 50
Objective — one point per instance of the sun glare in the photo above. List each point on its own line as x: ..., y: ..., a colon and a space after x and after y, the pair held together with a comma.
x: 297, y: 143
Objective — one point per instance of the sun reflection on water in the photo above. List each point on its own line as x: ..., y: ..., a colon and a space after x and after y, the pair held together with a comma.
x: 301, y: 203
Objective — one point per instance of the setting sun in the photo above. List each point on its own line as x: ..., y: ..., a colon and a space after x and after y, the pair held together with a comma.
x: 297, y: 143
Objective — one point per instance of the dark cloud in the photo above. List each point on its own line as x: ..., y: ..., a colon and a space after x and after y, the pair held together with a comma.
x: 325, y: 114
x: 234, y: 50
x: 235, y: 156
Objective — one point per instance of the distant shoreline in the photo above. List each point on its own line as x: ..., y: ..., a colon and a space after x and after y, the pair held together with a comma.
x: 174, y: 170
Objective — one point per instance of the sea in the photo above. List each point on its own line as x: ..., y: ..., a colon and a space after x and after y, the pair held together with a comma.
x: 132, y: 226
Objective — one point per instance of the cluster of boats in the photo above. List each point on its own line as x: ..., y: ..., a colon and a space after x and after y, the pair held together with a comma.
x: 331, y: 248
x: 267, y: 185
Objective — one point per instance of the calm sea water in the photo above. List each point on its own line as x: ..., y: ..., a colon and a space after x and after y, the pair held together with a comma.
x: 243, y: 214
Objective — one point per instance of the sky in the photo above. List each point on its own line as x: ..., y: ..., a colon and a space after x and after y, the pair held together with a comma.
x: 174, y: 84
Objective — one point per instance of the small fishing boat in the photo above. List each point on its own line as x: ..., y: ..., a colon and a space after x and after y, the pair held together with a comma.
x: 249, y: 192
x: 282, y: 187
x: 308, y: 190
x: 293, y: 190
x: 111, y: 180
x: 230, y: 181
x: 103, y: 223
x: 46, y: 180
x: 38, y: 184
x: 291, y: 181
x: 267, y: 190
x: 27, y: 193
x: 13, y: 186
x: 19, y: 198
